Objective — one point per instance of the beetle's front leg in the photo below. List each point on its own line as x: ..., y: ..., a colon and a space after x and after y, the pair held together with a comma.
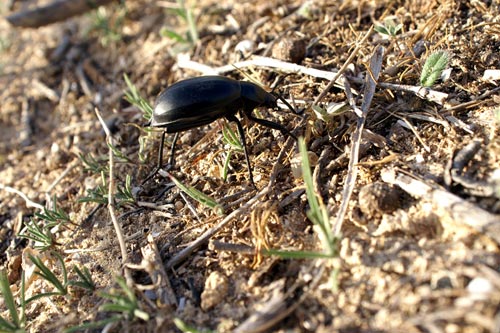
x: 270, y: 124
x: 172, y: 152
x: 159, y: 163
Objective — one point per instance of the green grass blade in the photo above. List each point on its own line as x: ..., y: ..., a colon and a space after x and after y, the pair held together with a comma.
x: 318, y: 214
x: 199, y: 196
x: 10, y: 303
x: 185, y: 328
x: 48, y: 275
x: 165, y: 32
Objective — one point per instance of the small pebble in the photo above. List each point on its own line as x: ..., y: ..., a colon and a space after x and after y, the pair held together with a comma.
x: 479, y: 288
x: 290, y: 49
x: 379, y: 198
x: 245, y: 47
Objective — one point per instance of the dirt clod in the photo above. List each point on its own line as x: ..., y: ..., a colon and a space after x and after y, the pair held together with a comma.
x: 215, y: 290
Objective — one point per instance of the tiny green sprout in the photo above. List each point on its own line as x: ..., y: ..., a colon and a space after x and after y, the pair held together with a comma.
x: 108, y: 24
x: 231, y: 138
x: 143, y: 150
x: 5, y: 44
x: 185, y: 14
x: 306, y: 10
x: 390, y: 28
x: 124, y: 195
x: 185, y: 328
x: 124, y: 301
x: 94, y: 164
x: 133, y: 96
x: 40, y: 234
x: 165, y: 32
x: 434, y: 67
x: 98, y: 194
x: 85, y: 279
x: 54, y: 215
x: 225, y: 169
x: 333, y: 110
x: 118, y: 154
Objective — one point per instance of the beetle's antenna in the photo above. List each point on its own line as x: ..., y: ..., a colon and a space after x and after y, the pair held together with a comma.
x: 280, y: 80
x: 286, y: 103
x: 278, y: 96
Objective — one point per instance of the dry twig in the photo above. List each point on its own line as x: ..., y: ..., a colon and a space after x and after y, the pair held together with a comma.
x: 28, y: 201
x: 153, y: 265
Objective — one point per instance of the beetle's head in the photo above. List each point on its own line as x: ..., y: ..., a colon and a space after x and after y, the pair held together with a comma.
x: 255, y: 96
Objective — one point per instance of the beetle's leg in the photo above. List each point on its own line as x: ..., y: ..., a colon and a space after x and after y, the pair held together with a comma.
x: 270, y: 124
x: 160, y: 160
x: 160, y: 152
x: 244, y: 142
x: 159, y: 164
x: 172, y: 150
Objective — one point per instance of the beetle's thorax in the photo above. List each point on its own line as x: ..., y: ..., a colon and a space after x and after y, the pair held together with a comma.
x: 255, y: 96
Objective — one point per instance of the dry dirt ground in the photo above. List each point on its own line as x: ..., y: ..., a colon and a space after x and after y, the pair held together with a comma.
x: 404, y: 261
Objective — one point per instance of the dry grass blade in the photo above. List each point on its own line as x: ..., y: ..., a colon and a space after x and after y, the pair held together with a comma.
x: 350, y: 182
x: 111, y: 190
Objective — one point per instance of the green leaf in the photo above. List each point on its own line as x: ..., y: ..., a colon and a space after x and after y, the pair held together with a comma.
x: 381, y: 30
x: 433, y: 68
x: 390, y: 28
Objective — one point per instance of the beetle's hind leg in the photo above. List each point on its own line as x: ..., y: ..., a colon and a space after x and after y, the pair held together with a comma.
x: 244, y: 142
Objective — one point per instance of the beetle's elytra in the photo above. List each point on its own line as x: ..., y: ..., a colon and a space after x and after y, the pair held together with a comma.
x: 201, y: 100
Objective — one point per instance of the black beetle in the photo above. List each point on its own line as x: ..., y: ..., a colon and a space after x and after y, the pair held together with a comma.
x: 201, y: 100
